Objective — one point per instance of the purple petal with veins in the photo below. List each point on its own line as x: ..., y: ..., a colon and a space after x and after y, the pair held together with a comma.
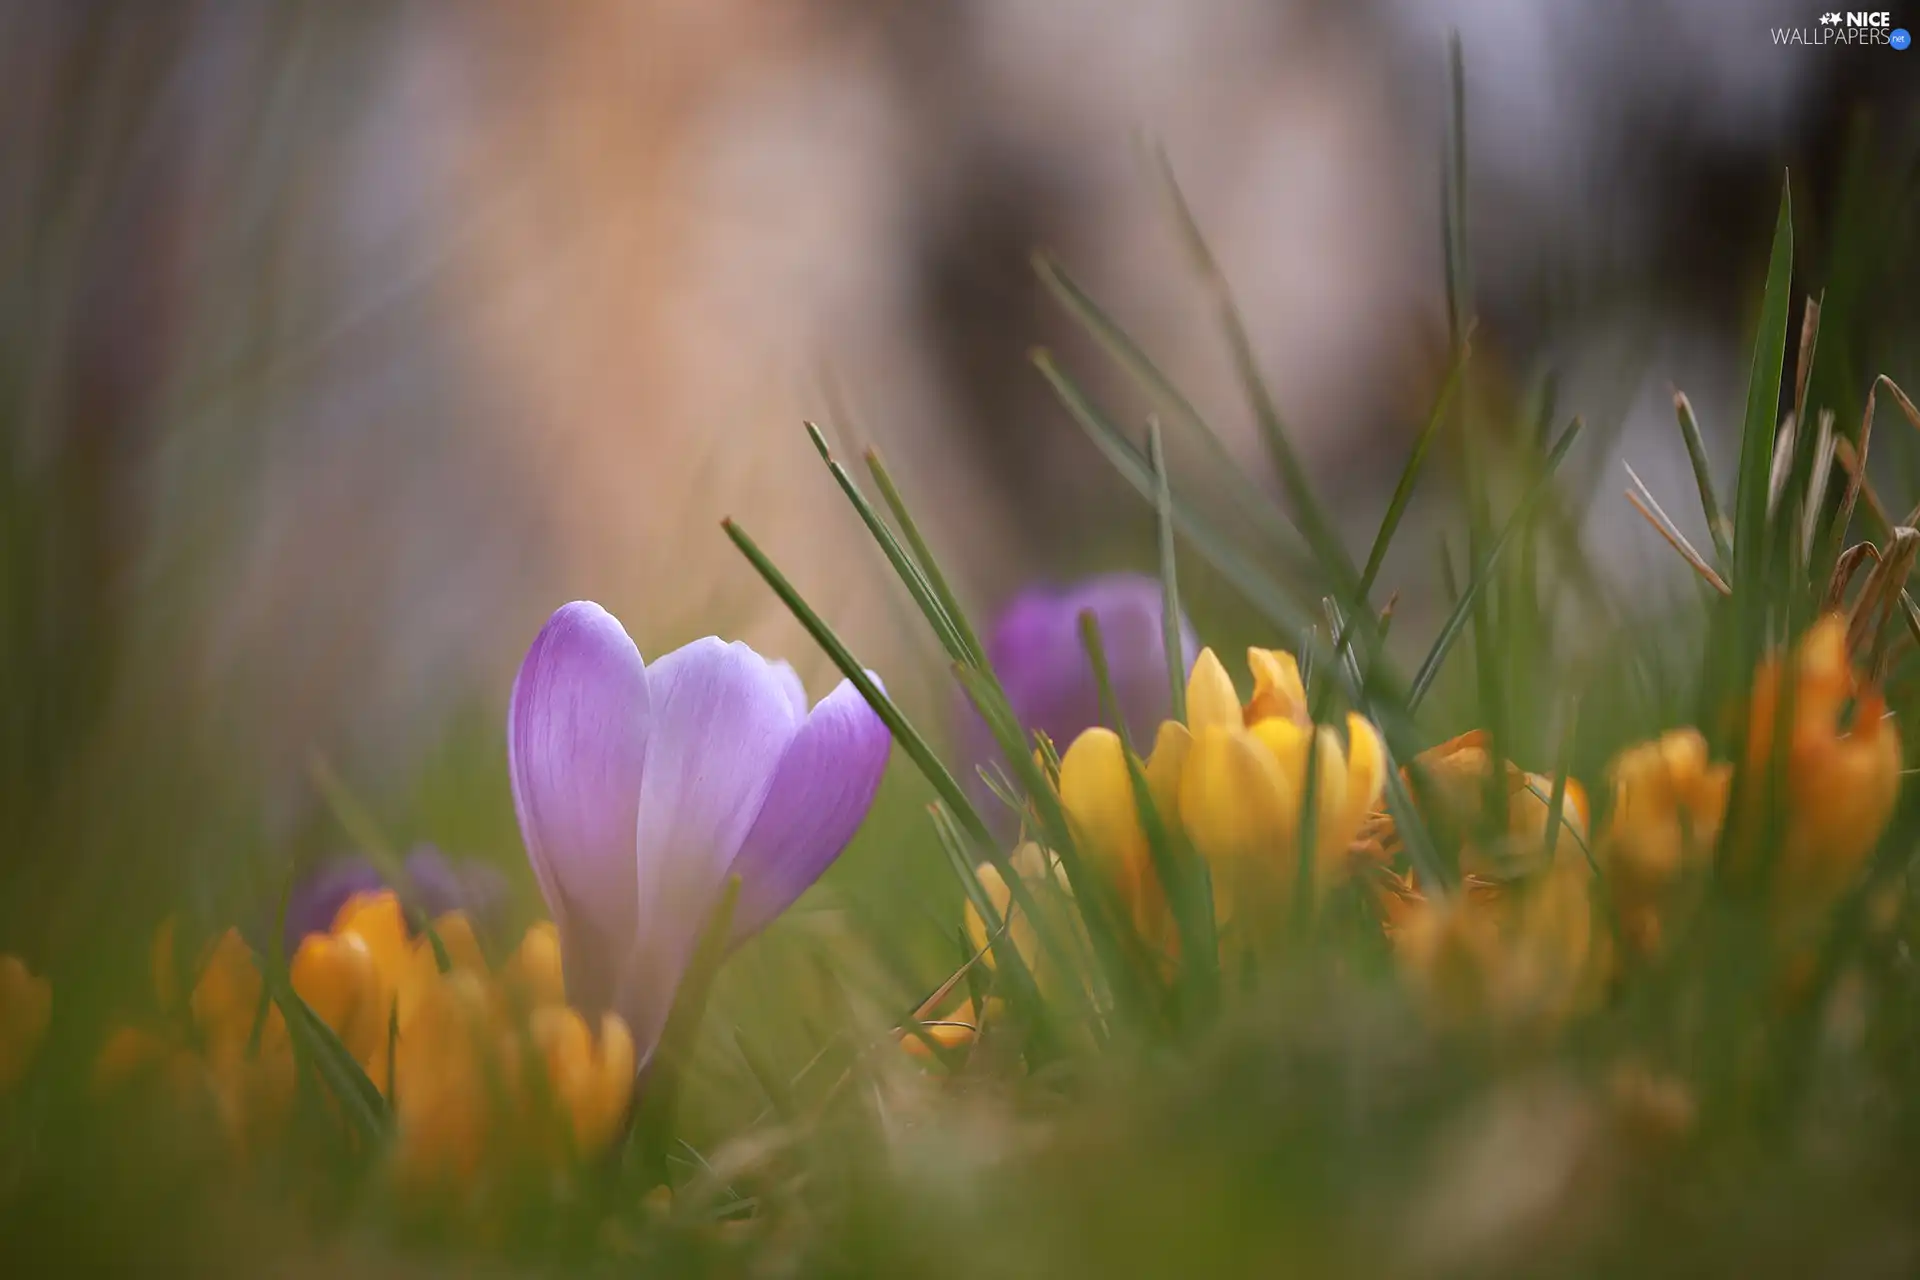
x: 578, y: 727
x: 821, y: 793
x: 723, y: 718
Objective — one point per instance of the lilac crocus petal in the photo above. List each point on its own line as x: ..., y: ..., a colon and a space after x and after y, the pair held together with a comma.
x: 1036, y: 650
x: 316, y: 900
x: 723, y: 719
x: 790, y: 682
x: 577, y: 732
x: 820, y: 795
x: 436, y: 884
x: 432, y: 882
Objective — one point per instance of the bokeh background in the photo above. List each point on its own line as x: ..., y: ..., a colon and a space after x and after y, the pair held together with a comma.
x: 341, y: 343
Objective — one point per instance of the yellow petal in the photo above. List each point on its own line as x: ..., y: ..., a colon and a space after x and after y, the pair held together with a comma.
x: 226, y: 996
x: 1334, y: 828
x: 1287, y: 742
x: 380, y: 923
x: 532, y: 973
x: 1277, y: 688
x: 1165, y: 766
x: 1332, y: 832
x: 599, y: 1120
x: 335, y: 975
x: 1096, y: 789
x: 1240, y: 811
x: 1366, y: 769
x: 1211, y: 700
x: 999, y: 895
x: 462, y: 946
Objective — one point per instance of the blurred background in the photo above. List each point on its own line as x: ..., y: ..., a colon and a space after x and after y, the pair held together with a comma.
x: 339, y: 344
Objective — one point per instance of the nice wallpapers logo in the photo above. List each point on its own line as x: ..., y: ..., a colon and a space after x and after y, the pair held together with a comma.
x: 1835, y: 28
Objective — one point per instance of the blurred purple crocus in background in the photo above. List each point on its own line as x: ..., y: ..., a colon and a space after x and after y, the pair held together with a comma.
x: 641, y: 789
x: 1036, y: 649
x: 430, y: 882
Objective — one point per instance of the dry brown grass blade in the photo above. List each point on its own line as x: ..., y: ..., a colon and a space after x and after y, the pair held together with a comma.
x: 1803, y: 365
x: 1844, y: 570
x: 1783, y: 445
x: 1643, y: 501
x: 1881, y: 596
x: 1822, y: 473
x: 1899, y: 398
x: 945, y: 989
x: 1856, y: 469
x: 1859, y: 486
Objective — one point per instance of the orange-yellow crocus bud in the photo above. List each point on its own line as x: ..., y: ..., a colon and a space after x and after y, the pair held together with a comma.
x: 1501, y: 825
x: 1450, y: 954
x: 1244, y: 778
x: 446, y: 1083
x: 591, y: 1080
x: 226, y: 1001
x: 1841, y: 773
x: 26, y: 1006
x: 421, y: 966
x: 378, y: 920
x: 1230, y: 781
x: 1097, y: 792
x: 335, y: 975
x: 954, y: 1030
x: 532, y: 974
x: 1039, y: 871
x: 1669, y: 801
x: 130, y: 1052
x: 1503, y: 954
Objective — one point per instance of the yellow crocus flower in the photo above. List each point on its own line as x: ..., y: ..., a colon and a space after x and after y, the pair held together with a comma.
x: 336, y: 976
x: 591, y: 1079
x: 532, y: 974
x: 1503, y: 954
x: 1515, y: 941
x: 1455, y: 786
x: 1232, y: 778
x: 1669, y: 802
x: 1842, y: 773
x: 1040, y: 871
x: 445, y: 1093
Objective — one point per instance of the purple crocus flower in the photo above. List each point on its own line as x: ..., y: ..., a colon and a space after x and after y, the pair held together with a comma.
x: 641, y: 789
x: 1036, y: 650
x: 430, y: 882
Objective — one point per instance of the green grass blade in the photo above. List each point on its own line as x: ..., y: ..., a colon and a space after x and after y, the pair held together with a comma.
x: 903, y: 565
x: 1458, y: 262
x: 315, y: 1044
x: 1717, y: 527
x: 1760, y: 425
x: 1146, y: 375
x: 1456, y: 619
x: 1308, y: 513
x: 1170, y: 612
x: 1403, y: 488
x: 1173, y: 862
x: 976, y: 655
x: 1253, y: 582
x: 1115, y: 947
x: 898, y: 725
x: 767, y: 1076
x: 1023, y: 989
